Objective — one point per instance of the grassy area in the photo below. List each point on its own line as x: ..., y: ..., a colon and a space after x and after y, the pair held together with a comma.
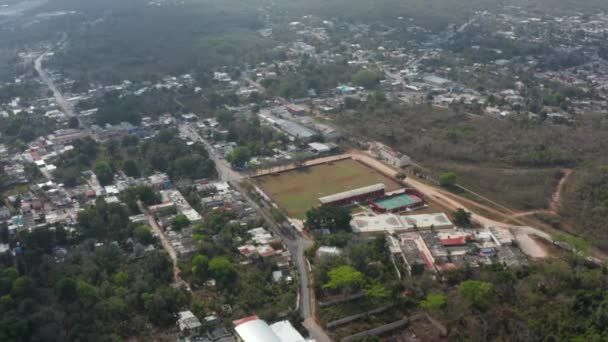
x: 519, y: 189
x: 297, y: 191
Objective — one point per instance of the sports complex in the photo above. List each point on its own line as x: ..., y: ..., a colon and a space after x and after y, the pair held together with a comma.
x: 296, y: 191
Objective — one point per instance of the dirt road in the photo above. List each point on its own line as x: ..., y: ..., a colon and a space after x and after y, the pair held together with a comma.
x: 163, y: 240
x: 556, y: 199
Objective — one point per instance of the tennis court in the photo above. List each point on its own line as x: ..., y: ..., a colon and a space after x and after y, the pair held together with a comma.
x: 396, y: 202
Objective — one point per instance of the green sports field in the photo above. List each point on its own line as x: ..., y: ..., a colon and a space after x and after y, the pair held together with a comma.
x: 297, y: 191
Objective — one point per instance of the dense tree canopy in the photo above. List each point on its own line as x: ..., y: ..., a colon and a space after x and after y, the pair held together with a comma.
x: 334, y: 218
x: 222, y: 270
x: 104, y: 173
x: 366, y: 78
x: 179, y: 222
x: 68, y: 299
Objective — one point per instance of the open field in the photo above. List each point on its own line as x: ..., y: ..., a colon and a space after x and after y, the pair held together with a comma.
x: 520, y: 189
x: 297, y: 191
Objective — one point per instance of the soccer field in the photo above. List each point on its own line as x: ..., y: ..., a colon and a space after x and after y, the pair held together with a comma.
x: 297, y: 191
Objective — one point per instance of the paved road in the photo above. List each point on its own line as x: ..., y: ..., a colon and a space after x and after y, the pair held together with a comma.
x: 65, y: 106
x: 295, y: 243
x: 224, y: 170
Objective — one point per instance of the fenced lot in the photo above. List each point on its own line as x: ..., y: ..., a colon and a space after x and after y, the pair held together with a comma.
x: 298, y: 190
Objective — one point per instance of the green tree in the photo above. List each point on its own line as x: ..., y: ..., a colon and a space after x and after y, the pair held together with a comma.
x: 478, y: 293
x: 239, y: 156
x: 333, y: 218
x: 158, y: 265
x: 121, y: 279
x: 22, y: 287
x: 401, y: 176
x: 366, y: 78
x: 143, y: 234
x: 200, y: 266
x: 66, y: 289
x: 141, y: 192
x: 376, y: 291
x: 447, y: 179
x: 344, y: 278
x: 222, y: 270
x: 462, y: 218
x: 130, y: 168
x: 104, y: 173
x: 180, y: 222
x: 433, y: 302
x: 10, y: 274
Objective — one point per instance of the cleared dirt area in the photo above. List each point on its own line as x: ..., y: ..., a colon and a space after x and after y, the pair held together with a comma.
x: 297, y: 191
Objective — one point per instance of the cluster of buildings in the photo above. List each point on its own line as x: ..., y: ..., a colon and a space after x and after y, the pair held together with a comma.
x: 449, y: 248
x: 297, y: 122
x: 394, y: 223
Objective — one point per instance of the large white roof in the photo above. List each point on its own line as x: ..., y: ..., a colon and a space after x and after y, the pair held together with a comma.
x: 253, y: 329
x: 351, y: 193
x: 286, y: 332
x: 256, y: 331
x: 392, y: 223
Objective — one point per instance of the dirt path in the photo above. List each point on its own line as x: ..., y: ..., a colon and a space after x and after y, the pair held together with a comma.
x: 166, y: 245
x: 163, y: 240
x: 556, y: 199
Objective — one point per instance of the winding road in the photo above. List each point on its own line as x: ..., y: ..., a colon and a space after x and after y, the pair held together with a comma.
x: 295, y: 243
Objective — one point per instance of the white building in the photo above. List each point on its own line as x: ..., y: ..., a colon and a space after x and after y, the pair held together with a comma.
x: 319, y: 147
x: 391, y: 156
x: 328, y: 251
x: 397, y: 223
x: 253, y: 329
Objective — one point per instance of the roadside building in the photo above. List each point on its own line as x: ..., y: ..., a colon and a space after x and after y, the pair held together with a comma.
x: 391, y: 156
x: 320, y: 148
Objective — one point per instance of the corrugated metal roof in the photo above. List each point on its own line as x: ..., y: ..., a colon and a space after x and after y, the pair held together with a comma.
x: 351, y: 193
